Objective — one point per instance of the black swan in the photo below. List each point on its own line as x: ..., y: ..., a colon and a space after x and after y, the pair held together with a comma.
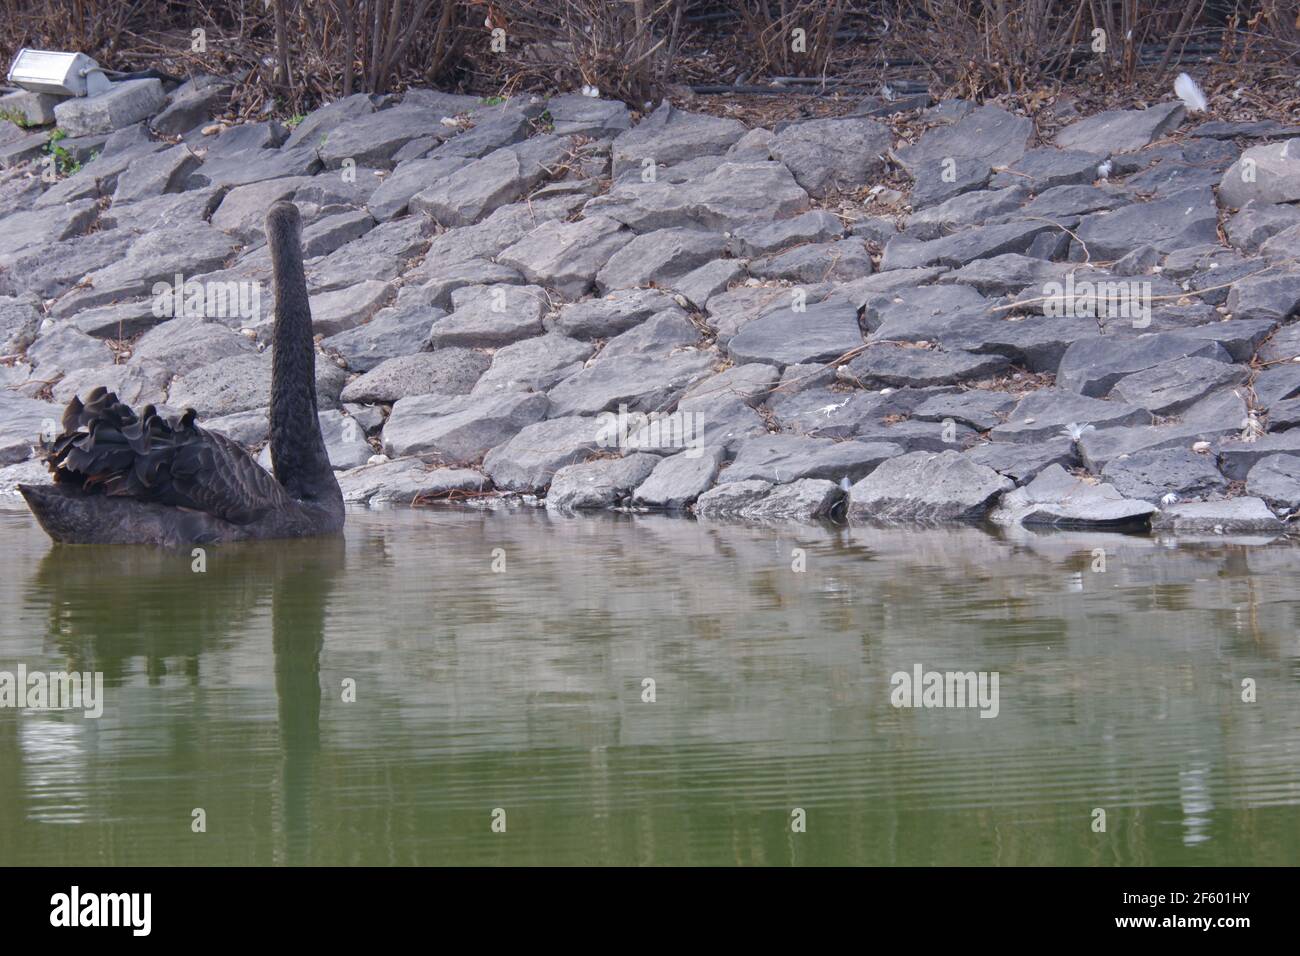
x: 122, y: 478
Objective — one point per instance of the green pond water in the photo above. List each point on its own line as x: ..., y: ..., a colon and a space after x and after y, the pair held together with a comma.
x: 521, y: 690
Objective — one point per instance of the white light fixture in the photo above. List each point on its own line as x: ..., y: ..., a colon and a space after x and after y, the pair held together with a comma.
x: 62, y: 74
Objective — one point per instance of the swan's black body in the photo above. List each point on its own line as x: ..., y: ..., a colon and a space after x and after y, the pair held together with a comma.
x: 123, y: 478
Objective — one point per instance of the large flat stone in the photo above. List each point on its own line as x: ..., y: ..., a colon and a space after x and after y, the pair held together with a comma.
x: 528, y: 462
x: 459, y: 429
x: 783, y: 337
x: 927, y: 486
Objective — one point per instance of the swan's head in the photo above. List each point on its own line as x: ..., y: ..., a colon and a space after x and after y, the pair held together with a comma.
x: 283, y: 220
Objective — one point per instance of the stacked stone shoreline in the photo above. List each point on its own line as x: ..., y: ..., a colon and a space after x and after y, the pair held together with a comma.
x: 555, y: 301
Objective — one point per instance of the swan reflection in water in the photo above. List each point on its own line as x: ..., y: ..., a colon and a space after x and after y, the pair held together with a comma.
x: 108, y: 606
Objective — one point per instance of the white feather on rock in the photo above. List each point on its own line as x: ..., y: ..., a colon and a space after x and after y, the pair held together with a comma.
x: 1191, y: 94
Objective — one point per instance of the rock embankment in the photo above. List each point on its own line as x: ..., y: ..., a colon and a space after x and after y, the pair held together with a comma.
x: 546, y: 298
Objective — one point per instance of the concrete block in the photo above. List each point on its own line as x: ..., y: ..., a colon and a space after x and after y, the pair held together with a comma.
x: 125, y: 103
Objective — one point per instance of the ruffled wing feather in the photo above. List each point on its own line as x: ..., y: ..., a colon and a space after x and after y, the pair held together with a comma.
x: 107, y: 449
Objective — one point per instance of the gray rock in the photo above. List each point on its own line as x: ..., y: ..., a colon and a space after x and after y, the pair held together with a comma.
x: 192, y: 104
x: 1259, y: 221
x: 988, y: 135
x: 602, y: 483
x: 1021, y: 462
x: 935, y: 184
x: 642, y: 383
x: 1268, y: 173
x: 784, y: 458
x: 31, y: 472
x: 678, y: 480
x: 1092, y: 366
x: 369, y: 417
x: 761, y: 238
x: 535, y: 364
x: 501, y: 177
x: 491, y: 316
x: 918, y: 435
x: 729, y: 499
x: 967, y: 209
x: 655, y: 257
x: 1237, y: 458
x: 1099, y: 448
x: 727, y: 312
x: 1272, y: 297
x: 338, y: 310
x: 668, y: 136
x: 617, y: 312
x: 979, y: 408
x: 1065, y: 202
x: 1151, y: 475
x: 315, y: 127
x: 459, y: 429
x: 844, y: 259
x: 703, y: 283
x: 157, y: 173
x: 241, y: 382
x: 1170, y: 387
x: 659, y: 335
x: 1273, y: 385
x: 392, y: 197
x: 1011, y: 272
x: 925, y: 486
x: 439, y: 282
x: 1240, y: 338
x: 158, y: 256
x: 144, y: 383
x: 1182, y: 220
x: 392, y: 332
x: 1276, y: 479
x: 126, y: 102
x: 889, y: 364
x: 576, y: 115
x: 325, y: 235
x: 371, y: 140
x: 20, y: 319
x: 980, y: 242
x: 345, y: 440
x: 35, y: 227
x: 451, y: 371
x: 406, y: 481
x: 249, y: 428
x: 1280, y: 248
x: 120, y: 321
x: 1121, y: 131
x: 28, y: 108
x: 381, y: 254
x: 184, y: 344
x: 254, y: 165
x: 24, y: 424
x: 65, y: 348
x: 567, y: 256
x: 783, y: 337
x: 808, y: 499
x: 1043, y: 168
x: 1230, y: 516
x: 528, y: 462
x: 832, y: 155
x: 1056, y: 497
x: 729, y: 196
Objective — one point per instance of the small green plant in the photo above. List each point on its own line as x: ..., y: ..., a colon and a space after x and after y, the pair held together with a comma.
x: 64, y: 163
x: 293, y: 121
x: 15, y: 117
x: 493, y: 100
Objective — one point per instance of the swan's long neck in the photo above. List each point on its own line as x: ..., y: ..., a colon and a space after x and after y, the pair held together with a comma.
x: 297, y: 448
